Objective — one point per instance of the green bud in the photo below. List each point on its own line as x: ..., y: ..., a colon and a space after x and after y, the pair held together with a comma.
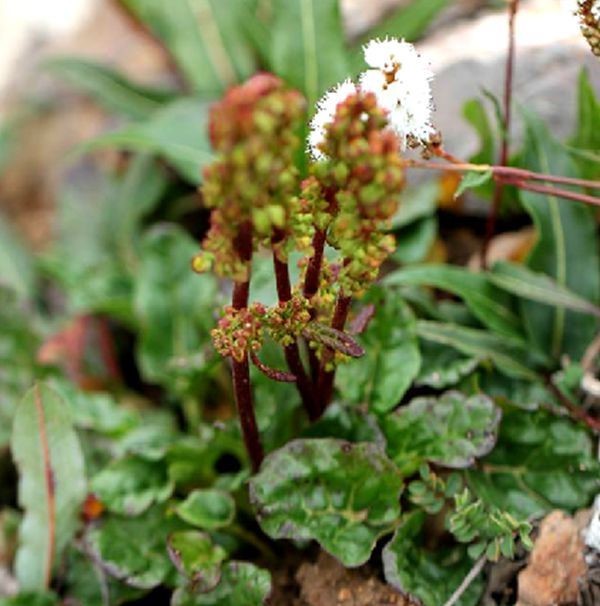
x: 261, y: 221
x: 276, y: 215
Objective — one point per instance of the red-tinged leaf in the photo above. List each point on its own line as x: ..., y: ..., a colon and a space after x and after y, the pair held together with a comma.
x: 334, y: 339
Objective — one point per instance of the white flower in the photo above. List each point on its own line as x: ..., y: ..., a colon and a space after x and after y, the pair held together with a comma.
x: 400, y: 80
x: 326, y: 108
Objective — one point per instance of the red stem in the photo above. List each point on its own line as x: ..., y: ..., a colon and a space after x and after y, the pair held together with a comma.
x: 554, y: 191
x: 292, y: 352
x: 241, y: 368
x: 508, y: 90
x: 326, y: 377
x: 575, y: 411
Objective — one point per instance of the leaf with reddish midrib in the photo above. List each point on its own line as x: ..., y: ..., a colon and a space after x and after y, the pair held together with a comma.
x: 52, y: 483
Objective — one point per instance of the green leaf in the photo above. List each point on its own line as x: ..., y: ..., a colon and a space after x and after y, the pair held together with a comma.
x: 534, y: 286
x: 242, y: 584
x: 307, y: 45
x: 492, y: 306
x: 430, y: 576
x: 17, y: 270
x: 110, y: 88
x: 443, y: 366
x: 176, y: 133
x: 30, y: 599
x: 134, y: 197
x: 52, y: 483
x: 509, y: 357
x: 567, y: 234
x: 174, y: 307
x: 130, y: 486
x: 343, y: 495
x: 587, y: 137
x: 472, y: 180
x: 475, y: 113
x: 204, y: 37
x: 197, y: 558
x: 540, y: 463
x: 208, y: 508
x: 134, y: 550
x: 452, y: 431
x: 391, y: 361
x: 415, y: 241
x: 417, y: 203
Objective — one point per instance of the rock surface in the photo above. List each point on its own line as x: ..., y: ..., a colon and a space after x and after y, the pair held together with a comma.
x: 556, y: 564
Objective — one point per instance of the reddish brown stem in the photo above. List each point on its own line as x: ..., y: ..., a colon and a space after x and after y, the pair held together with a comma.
x: 241, y: 368
x: 508, y: 90
x: 575, y: 411
x: 326, y: 377
x: 292, y: 352
x: 554, y: 191
x: 107, y: 349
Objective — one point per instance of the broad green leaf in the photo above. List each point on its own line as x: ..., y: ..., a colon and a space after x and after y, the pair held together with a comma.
x: 391, y: 361
x: 587, y: 137
x: 473, y: 180
x: 443, y: 366
x: 204, y: 37
x: 307, y: 45
x: 540, y: 462
x: 197, y: 558
x: 207, y: 508
x: 242, y: 584
x: 509, y: 357
x: 414, y: 242
x: 174, y: 308
x: 452, y: 431
x: 134, y: 550
x: 346, y: 422
x: 492, y: 306
x: 110, y: 88
x: 130, y: 486
x: 343, y: 495
x: 17, y: 270
x: 431, y: 576
x: 52, y: 483
x: 534, y: 286
x: 567, y: 234
x: 135, y: 196
x: 30, y: 599
x: 176, y: 133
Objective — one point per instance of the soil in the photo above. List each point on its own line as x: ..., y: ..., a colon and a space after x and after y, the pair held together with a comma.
x: 326, y: 582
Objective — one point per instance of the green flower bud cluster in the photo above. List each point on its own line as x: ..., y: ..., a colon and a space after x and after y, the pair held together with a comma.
x: 362, y: 177
x: 589, y: 21
x: 253, y: 178
x: 286, y: 320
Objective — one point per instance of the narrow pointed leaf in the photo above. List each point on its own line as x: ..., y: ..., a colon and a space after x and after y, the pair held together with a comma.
x: 52, y: 483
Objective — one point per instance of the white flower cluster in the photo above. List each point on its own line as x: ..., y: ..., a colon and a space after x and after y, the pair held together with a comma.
x: 400, y: 80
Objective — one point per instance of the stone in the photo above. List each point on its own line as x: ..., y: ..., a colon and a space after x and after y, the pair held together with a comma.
x: 556, y: 564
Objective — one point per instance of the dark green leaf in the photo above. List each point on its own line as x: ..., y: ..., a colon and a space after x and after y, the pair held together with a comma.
x: 391, y: 361
x: 176, y: 133
x: 307, y: 45
x: 534, y: 286
x: 509, y: 357
x: 197, y: 558
x: 587, y: 136
x: 452, y: 430
x: 432, y: 577
x: 204, y: 37
x: 540, y: 463
x: 475, y: 113
x: 110, y: 88
x: 208, y: 509
x: 134, y: 550
x: 130, y: 486
x: 492, y: 306
x: 566, y: 234
x: 52, y: 483
x: 443, y: 366
x: 17, y: 270
x: 242, y: 584
x: 174, y: 309
x: 30, y: 599
x: 417, y: 203
x: 415, y: 241
x: 343, y: 495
